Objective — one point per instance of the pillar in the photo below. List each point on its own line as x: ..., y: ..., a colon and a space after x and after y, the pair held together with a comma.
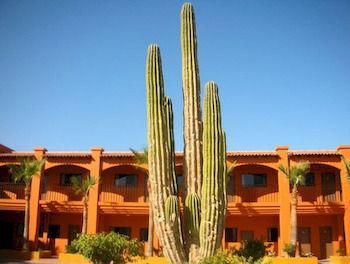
x: 34, y: 213
x: 284, y: 200
x: 95, y: 171
x: 345, y: 185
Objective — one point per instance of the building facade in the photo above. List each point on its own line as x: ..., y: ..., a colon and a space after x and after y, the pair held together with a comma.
x: 258, y: 199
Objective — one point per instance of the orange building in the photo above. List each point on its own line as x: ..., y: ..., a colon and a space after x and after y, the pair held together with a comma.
x: 258, y: 195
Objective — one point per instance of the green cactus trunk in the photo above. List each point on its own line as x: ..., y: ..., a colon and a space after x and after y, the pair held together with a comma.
x: 213, y: 202
x: 192, y: 161
x: 205, y: 203
x: 159, y: 157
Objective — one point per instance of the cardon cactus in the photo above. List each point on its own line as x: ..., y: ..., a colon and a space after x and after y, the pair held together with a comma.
x: 200, y: 234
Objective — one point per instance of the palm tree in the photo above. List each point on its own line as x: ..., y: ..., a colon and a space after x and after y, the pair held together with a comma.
x: 347, y: 167
x: 83, y: 187
x: 141, y: 158
x: 23, y: 173
x: 296, y: 176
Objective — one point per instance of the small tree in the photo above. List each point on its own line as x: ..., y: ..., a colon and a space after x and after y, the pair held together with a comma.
x: 141, y: 158
x: 296, y: 175
x: 347, y: 167
x: 23, y: 173
x: 83, y: 187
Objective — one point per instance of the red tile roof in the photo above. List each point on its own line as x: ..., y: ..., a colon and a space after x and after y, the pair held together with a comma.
x: 314, y: 153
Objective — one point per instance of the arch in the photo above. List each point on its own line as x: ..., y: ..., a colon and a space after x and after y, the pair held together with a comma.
x: 50, y: 165
x: 265, y: 191
x: 124, y: 183
x: 323, y: 184
x: 55, y: 184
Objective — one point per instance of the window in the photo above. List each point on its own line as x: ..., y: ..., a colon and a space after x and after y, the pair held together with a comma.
x: 126, y: 231
x: 126, y: 180
x: 254, y: 180
x: 247, y: 235
x: 179, y: 180
x: 272, y: 234
x: 231, y: 234
x: 66, y: 178
x: 54, y: 231
x: 310, y: 179
x: 304, y: 235
x: 143, y: 234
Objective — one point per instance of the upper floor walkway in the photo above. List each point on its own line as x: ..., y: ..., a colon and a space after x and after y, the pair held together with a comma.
x: 255, y: 183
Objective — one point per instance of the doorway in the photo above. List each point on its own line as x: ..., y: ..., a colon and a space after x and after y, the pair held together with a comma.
x: 73, y: 231
x: 6, y: 231
x: 328, y: 187
x: 326, y: 242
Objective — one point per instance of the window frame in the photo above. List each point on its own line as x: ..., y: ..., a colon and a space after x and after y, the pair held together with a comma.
x: 69, y: 175
x: 126, y: 185
x: 234, y: 231
x: 254, y: 183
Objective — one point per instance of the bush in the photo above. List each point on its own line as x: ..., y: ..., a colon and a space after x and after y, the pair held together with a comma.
x: 254, y: 249
x: 103, y: 248
x: 71, y: 249
x: 289, y: 249
x: 224, y: 257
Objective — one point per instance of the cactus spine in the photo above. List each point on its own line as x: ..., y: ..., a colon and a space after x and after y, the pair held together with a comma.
x: 205, y: 203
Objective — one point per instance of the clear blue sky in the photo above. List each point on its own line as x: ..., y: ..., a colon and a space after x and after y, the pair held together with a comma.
x: 72, y: 73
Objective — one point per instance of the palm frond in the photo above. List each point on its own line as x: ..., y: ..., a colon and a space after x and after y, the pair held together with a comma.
x: 140, y: 157
x: 296, y: 173
x: 231, y: 168
x: 347, y: 167
x: 25, y: 171
x: 83, y: 186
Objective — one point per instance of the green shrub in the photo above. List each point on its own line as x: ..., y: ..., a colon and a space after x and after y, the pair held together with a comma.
x: 103, y: 248
x: 71, y: 249
x: 224, y: 257
x: 289, y: 249
x: 254, y: 249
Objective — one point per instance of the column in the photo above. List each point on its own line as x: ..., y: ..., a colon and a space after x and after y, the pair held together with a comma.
x: 95, y: 171
x: 284, y: 200
x: 345, y: 185
x: 34, y: 215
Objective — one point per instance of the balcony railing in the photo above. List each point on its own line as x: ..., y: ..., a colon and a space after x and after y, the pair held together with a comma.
x: 13, y: 191
x: 60, y: 193
x: 241, y: 194
x: 315, y: 194
x: 118, y: 194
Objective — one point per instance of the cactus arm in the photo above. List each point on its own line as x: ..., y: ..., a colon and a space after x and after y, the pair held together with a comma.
x: 158, y: 157
x: 214, y: 174
x: 191, y: 94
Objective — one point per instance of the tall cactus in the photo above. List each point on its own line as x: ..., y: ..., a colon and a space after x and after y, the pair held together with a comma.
x: 205, y: 203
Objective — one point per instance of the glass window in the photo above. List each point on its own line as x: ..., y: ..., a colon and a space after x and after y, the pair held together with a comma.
x: 310, y: 179
x: 179, y: 180
x: 231, y: 234
x: 126, y: 231
x: 54, y: 231
x: 272, y: 234
x: 66, y: 178
x: 254, y: 180
x: 126, y: 180
x: 143, y: 234
x: 247, y: 235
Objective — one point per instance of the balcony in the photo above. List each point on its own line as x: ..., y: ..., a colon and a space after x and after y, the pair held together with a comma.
x: 122, y: 194
x: 316, y: 195
x: 60, y: 194
x: 241, y: 194
x: 12, y: 191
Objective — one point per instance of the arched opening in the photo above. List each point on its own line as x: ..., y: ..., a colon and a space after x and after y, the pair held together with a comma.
x: 124, y: 184
x: 322, y: 184
x: 253, y: 184
x: 8, y: 188
x: 56, y: 183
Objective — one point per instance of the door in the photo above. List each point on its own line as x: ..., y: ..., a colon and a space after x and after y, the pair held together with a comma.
x: 73, y: 231
x: 6, y: 231
x: 304, y: 237
x: 326, y: 242
x: 230, y: 189
x: 328, y: 187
